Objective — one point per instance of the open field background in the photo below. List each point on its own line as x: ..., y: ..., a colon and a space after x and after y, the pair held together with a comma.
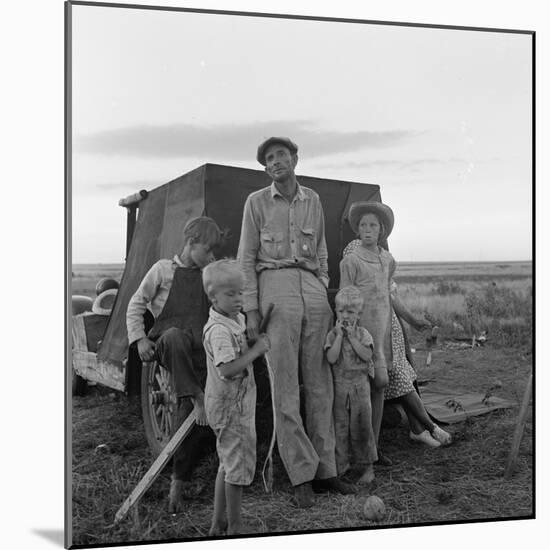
x: 464, y: 299
x: 461, y: 482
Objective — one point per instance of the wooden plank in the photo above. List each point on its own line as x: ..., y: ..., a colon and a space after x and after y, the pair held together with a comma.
x: 518, y: 432
x: 155, y: 469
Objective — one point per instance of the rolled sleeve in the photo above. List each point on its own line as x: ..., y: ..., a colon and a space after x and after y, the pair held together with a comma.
x: 365, y: 338
x: 247, y: 255
x: 139, y: 301
x: 221, y: 344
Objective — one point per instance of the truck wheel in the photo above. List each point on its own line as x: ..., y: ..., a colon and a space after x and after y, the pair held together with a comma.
x: 158, y: 405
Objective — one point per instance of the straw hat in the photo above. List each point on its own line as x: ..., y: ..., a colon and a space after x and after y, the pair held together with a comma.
x: 359, y: 209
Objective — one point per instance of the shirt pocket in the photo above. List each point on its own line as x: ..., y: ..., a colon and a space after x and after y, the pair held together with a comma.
x: 272, y: 243
x: 308, y: 242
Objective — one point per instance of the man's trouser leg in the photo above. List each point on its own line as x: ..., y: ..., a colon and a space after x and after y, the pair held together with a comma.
x: 175, y: 352
x: 282, y: 288
x: 316, y: 373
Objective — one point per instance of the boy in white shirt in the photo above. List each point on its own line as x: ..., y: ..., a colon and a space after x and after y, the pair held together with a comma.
x: 230, y: 392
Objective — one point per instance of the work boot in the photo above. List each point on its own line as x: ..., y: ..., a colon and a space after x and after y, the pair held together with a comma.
x: 333, y: 485
x: 383, y: 460
x: 303, y: 495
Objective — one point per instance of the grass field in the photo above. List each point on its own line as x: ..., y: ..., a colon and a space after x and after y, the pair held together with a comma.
x: 461, y: 482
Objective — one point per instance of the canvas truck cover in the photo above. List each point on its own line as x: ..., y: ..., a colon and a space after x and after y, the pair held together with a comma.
x: 219, y: 192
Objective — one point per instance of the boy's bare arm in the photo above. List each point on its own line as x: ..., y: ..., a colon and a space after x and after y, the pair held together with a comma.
x: 334, y: 351
x: 364, y: 352
x: 227, y: 370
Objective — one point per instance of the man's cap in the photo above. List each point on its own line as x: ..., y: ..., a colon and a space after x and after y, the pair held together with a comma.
x: 290, y: 145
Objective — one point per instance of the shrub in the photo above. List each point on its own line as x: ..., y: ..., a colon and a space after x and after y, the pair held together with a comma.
x: 444, y: 288
x: 505, y: 313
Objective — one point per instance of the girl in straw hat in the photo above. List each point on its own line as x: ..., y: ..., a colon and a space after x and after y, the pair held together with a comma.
x: 371, y: 268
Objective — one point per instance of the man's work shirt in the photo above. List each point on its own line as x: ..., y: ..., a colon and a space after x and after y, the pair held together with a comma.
x: 152, y: 293
x: 276, y: 234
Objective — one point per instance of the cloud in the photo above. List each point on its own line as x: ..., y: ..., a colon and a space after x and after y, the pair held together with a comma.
x: 104, y: 188
x: 132, y: 185
x: 414, y: 164
x: 230, y: 141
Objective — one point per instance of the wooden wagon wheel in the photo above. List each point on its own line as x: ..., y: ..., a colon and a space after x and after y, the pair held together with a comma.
x: 158, y: 405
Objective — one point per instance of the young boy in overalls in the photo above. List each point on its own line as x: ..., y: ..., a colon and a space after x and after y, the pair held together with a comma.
x: 172, y: 290
x: 230, y: 394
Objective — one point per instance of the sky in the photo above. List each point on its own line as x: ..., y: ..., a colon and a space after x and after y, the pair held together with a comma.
x: 439, y: 118
x: 33, y: 238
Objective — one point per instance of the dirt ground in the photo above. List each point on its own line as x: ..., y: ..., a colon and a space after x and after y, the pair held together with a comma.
x: 461, y: 482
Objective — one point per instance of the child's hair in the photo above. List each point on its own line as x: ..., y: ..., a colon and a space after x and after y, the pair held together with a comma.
x: 349, y: 296
x: 203, y: 230
x: 220, y: 273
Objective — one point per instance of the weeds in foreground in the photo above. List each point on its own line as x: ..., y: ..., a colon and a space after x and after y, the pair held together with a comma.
x: 503, y: 312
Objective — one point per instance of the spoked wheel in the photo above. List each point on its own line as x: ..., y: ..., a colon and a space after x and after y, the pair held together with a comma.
x: 158, y: 405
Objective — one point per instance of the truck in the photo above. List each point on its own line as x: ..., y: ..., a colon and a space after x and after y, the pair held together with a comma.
x: 155, y: 221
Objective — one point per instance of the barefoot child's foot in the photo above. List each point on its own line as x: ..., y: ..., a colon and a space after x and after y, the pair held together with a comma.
x: 236, y: 529
x: 218, y: 529
x: 175, y: 496
x: 367, y: 477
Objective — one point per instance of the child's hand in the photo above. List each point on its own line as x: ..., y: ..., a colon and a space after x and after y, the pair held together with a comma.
x: 262, y: 344
x: 146, y: 349
x: 422, y: 324
x: 338, y: 328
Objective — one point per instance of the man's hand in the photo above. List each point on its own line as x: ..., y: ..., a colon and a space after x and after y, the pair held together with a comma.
x: 262, y: 344
x: 146, y: 349
x: 422, y: 324
x: 253, y: 319
x: 198, y: 408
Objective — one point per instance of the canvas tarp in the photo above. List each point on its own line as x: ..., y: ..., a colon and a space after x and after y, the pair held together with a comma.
x: 449, y: 407
x: 219, y: 192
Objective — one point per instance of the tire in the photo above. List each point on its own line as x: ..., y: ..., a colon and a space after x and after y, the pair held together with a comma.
x: 78, y: 384
x: 158, y: 405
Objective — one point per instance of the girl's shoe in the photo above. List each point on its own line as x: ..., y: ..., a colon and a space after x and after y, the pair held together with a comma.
x: 424, y: 437
x: 442, y: 436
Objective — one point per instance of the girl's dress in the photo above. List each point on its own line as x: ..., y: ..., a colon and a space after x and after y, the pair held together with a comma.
x: 372, y: 272
x: 358, y: 271
x: 401, y: 375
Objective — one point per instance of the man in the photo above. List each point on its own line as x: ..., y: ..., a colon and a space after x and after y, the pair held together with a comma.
x: 284, y: 257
